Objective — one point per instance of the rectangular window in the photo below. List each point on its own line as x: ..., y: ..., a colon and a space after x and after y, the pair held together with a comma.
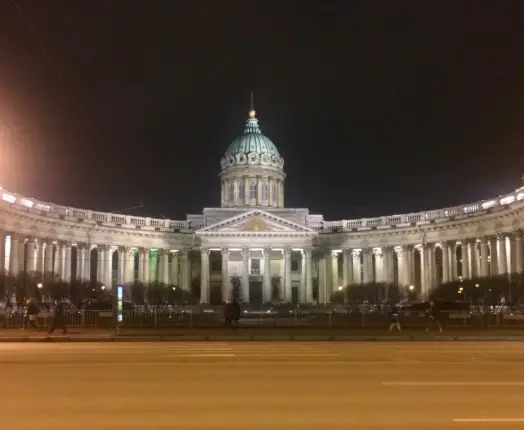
x: 216, y: 265
x: 255, y: 266
x: 294, y: 265
x: 274, y: 192
x: 264, y: 192
x: 253, y: 191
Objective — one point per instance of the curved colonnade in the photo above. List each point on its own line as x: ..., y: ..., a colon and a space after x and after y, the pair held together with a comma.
x: 420, y: 249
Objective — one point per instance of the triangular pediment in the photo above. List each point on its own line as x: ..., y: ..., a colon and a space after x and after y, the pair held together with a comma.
x: 256, y: 222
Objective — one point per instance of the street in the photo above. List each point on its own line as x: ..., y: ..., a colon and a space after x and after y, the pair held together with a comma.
x: 261, y: 385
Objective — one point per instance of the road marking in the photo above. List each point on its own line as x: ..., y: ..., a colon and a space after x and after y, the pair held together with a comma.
x: 453, y: 384
x: 204, y: 355
x: 488, y: 420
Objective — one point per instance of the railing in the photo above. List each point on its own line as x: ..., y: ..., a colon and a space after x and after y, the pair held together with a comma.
x: 313, y: 318
x: 384, y: 222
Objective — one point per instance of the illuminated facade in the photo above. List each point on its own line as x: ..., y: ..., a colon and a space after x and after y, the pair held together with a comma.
x: 255, y: 237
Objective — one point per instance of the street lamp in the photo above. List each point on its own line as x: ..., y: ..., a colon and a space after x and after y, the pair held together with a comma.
x: 103, y: 287
x: 39, y: 285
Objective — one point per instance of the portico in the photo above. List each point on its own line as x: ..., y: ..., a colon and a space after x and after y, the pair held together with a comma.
x: 256, y: 246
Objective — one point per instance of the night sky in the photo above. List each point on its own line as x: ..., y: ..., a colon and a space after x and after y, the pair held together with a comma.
x: 378, y: 107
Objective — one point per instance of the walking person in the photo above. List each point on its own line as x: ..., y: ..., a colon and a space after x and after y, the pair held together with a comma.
x: 395, y: 318
x: 31, y: 314
x: 58, y: 320
x: 433, y: 316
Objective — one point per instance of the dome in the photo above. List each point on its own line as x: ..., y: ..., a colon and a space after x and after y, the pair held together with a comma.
x: 252, y: 147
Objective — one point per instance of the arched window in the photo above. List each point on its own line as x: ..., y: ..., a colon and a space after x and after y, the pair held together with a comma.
x: 274, y: 193
x: 264, y: 192
x: 231, y: 192
x: 253, y: 191
x: 241, y: 192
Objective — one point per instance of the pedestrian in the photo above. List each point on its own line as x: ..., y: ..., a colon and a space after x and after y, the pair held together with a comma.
x: 228, y: 313
x: 433, y: 316
x: 395, y: 318
x: 31, y: 314
x: 59, y: 318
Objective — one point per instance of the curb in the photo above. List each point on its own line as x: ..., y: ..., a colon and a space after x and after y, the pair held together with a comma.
x: 261, y: 338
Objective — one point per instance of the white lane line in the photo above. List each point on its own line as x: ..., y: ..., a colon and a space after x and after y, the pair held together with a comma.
x: 205, y: 355
x: 453, y: 384
x: 488, y: 420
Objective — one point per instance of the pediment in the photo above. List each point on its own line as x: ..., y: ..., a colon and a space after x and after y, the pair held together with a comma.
x: 255, y: 222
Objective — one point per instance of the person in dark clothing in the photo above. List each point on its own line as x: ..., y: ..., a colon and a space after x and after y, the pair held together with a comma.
x: 228, y: 313
x: 31, y: 315
x: 395, y: 319
x: 236, y: 311
x: 58, y: 320
x: 433, y: 316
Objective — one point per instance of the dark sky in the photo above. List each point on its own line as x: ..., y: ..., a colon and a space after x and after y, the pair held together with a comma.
x: 378, y: 107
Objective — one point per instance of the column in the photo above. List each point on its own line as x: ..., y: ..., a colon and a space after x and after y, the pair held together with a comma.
x: 287, y: 275
x: 226, y: 283
x: 21, y: 254
x: 475, y: 259
x: 322, y: 279
x: 493, y: 257
x: 245, y: 275
x: 59, y: 261
x: 368, y: 266
x: 67, y: 262
x: 144, y: 256
x: 445, y: 262
x: 334, y: 272
x: 129, y: 275
x: 175, y: 271
x: 302, y: 289
x: 204, y: 276
x: 100, y: 264
x: 484, y: 267
x: 123, y: 265
x: 357, y: 269
x: 466, y: 263
x: 424, y: 272
x: 13, y: 255
x: 48, y: 264
x: 518, y: 251
x: 40, y: 264
x: 452, y: 256
x: 345, y: 267
x: 185, y: 270
x: 266, y: 285
x: 432, y: 267
x: 388, y: 265
x: 2, y: 252
x: 80, y: 262
x: 401, y: 266
x: 108, y: 267
x: 379, y: 265
x: 308, y: 253
x: 32, y: 255
x: 87, y: 264
x: 503, y: 259
x: 165, y: 266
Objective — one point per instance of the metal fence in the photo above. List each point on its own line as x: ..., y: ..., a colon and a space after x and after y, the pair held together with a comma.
x: 162, y: 317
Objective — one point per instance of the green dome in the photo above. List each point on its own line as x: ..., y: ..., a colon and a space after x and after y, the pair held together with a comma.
x: 252, y: 141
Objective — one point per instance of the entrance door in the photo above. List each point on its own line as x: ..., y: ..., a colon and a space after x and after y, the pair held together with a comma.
x: 255, y: 293
x: 294, y: 295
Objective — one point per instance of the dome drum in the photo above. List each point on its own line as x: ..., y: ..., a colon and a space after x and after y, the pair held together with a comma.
x: 252, y: 171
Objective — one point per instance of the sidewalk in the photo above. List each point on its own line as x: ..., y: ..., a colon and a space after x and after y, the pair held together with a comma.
x: 254, y: 334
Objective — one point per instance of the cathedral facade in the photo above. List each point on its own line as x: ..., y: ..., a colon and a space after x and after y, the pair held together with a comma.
x: 274, y: 252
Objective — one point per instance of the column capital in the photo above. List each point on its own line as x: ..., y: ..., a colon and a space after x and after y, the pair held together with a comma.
x: 399, y: 250
x: 287, y: 252
x: 204, y: 251
x: 267, y: 250
x: 308, y: 252
x: 245, y: 252
x: 377, y: 252
x: 356, y: 253
x: 518, y: 234
x: 484, y: 240
x: 225, y: 252
x: 334, y: 254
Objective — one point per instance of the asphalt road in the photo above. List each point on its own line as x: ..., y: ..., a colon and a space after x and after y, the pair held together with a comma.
x: 262, y: 385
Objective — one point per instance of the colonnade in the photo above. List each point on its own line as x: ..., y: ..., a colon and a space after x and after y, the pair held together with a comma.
x: 423, y: 266
x: 70, y: 261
